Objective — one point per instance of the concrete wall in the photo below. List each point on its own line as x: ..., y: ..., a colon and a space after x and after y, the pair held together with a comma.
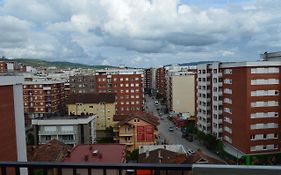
x: 182, y: 93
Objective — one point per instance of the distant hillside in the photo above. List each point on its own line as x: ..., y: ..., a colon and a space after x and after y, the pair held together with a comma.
x: 58, y: 64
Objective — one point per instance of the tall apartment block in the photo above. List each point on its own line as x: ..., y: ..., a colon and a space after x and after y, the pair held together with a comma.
x: 251, y: 107
x: 180, y: 92
x: 12, y: 130
x: 209, y: 99
x: 160, y: 80
x: 127, y: 84
x: 149, y: 80
x: 43, y: 98
x: 82, y: 84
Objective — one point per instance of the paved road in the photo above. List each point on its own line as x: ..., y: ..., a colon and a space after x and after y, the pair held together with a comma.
x: 175, y: 136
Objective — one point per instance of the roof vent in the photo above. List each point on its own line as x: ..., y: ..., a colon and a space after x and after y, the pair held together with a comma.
x: 95, y: 152
x: 86, y: 158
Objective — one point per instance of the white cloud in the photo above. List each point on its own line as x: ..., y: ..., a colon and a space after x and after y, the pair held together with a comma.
x: 158, y: 30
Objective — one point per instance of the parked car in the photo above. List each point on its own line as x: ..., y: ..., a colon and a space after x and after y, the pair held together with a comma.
x: 171, y: 129
x: 156, y: 102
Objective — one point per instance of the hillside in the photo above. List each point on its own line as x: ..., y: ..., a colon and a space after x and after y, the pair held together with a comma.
x: 58, y: 64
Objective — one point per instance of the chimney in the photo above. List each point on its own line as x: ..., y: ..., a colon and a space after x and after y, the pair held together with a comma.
x: 86, y: 158
x: 159, y: 156
x: 146, y: 154
x: 90, y: 148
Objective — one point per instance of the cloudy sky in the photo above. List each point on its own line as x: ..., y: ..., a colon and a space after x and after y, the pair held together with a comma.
x: 140, y: 33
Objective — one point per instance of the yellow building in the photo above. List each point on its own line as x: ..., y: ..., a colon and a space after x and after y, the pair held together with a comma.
x: 102, y: 105
x: 136, y: 129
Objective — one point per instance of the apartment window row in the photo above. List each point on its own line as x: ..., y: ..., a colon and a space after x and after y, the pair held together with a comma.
x: 228, y: 120
x: 264, y: 115
x: 228, y: 139
x: 130, y: 109
x: 264, y: 126
x: 264, y: 104
x: 132, y: 85
x: 227, y: 91
x: 227, y: 81
x: 264, y: 81
x: 227, y: 110
x: 264, y: 70
x: 264, y: 136
x: 227, y: 71
x: 264, y: 147
x: 227, y: 100
x: 264, y: 93
x: 132, y: 102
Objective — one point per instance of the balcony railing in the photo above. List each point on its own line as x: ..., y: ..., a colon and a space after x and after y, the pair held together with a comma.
x: 48, y: 168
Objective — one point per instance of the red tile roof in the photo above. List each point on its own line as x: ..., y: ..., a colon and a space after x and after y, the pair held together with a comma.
x: 97, y: 153
x: 54, y: 150
x: 91, y: 98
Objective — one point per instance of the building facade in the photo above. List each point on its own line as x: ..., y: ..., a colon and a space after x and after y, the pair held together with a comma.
x: 160, y: 80
x: 43, y: 98
x: 136, y: 129
x: 70, y: 130
x: 82, y: 83
x: 180, y: 92
x: 251, y: 107
x: 209, y: 99
x: 12, y: 130
x: 101, y: 105
x: 127, y: 84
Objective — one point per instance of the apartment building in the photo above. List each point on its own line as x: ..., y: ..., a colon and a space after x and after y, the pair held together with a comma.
x: 102, y: 105
x: 136, y: 129
x: 127, y: 84
x: 251, y: 107
x: 150, y: 80
x: 12, y: 66
x: 82, y: 83
x: 43, y: 98
x: 12, y: 130
x: 70, y: 130
x: 160, y: 80
x: 209, y: 99
x: 180, y: 92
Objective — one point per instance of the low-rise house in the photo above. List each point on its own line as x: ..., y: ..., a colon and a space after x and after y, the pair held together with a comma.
x: 136, y: 129
x: 71, y: 130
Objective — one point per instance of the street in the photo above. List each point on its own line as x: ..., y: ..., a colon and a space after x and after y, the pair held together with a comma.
x: 173, y: 137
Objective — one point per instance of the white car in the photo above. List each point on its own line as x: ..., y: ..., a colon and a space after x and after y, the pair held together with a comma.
x: 156, y: 102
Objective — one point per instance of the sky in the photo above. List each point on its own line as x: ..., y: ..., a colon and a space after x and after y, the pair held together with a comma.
x: 139, y: 33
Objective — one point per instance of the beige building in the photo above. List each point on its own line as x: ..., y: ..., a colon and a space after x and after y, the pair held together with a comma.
x: 181, y: 92
x: 101, y: 105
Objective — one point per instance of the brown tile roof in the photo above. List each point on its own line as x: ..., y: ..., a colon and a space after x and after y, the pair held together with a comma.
x: 199, y: 156
x: 106, y: 153
x: 91, y: 98
x: 54, y: 150
x: 166, y: 156
x: 141, y: 115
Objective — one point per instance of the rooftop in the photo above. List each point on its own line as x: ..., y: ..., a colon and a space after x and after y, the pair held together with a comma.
x: 91, y: 98
x: 97, y: 153
x: 54, y: 150
x: 141, y: 115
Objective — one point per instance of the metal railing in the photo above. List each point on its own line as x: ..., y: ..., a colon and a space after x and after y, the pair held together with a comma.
x: 58, y: 168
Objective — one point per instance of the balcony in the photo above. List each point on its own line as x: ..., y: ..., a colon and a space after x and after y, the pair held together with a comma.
x: 121, y: 134
x: 58, y: 168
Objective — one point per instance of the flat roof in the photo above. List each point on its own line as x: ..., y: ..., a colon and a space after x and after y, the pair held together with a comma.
x: 7, y: 79
x: 251, y: 64
x: 42, y: 82
x: 63, y: 120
